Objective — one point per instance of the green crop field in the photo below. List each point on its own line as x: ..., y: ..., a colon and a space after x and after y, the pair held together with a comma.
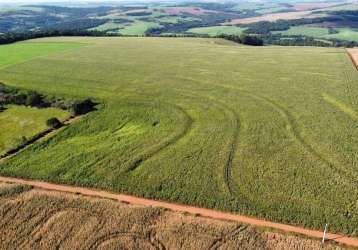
x: 19, y: 123
x: 21, y: 52
x: 342, y: 33
x: 217, y: 30
x: 264, y: 131
x: 138, y: 28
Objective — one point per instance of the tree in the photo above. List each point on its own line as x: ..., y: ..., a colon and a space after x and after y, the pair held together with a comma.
x: 251, y: 40
x: 54, y: 123
x: 33, y: 99
x: 83, y: 107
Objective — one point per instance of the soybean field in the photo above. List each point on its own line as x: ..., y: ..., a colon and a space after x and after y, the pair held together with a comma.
x: 264, y: 131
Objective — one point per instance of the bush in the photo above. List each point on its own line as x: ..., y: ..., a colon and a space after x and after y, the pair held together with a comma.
x: 82, y: 107
x: 54, y: 123
x: 33, y: 99
x: 244, y: 39
x: 251, y: 40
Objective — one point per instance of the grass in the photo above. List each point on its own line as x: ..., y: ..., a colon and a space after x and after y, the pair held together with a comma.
x: 203, y: 122
x: 217, y: 30
x: 343, y: 33
x: 44, y: 220
x: 21, y: 52
x: 19, y: 123
x: 138, y: 28
x: 109, y: 26
x: 305, y: 31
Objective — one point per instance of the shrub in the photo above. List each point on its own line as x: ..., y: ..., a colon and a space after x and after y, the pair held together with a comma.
x: 34, y: 99
x: 54, y: 123
x: 82, y: 107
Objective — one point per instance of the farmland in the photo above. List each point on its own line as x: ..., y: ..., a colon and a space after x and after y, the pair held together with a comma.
x: 272, y: 17
x: 274, y: 22
x: 217, y: 30
x: 260, y: 131
x: 318, y: 32
x: 69, y: 221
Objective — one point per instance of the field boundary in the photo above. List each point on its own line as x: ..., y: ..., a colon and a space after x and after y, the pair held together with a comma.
x: 209, y: 213
x: 353, y: 57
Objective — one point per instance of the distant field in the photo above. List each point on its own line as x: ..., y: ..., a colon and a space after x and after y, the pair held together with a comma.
x: 254, y: 6
x: 265, y: 131
x: 19, y: 123
x: 134, y: 28
x: 138, y: 28
x: 64, y: 221
x: 352, y: 6
x: 343, y: 33
x: 312, y: 5
x: 276, y: 16
x: 217, y: 30
x: 21, y: 52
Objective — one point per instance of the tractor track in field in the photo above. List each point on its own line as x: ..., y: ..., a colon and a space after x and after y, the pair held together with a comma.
x: 161, y: 146
x: 209, y: 213
x: 295, y: 133
x: 222, y: 240
x: 293, y: 127
x: 235, y: 136
x: 233, y: 145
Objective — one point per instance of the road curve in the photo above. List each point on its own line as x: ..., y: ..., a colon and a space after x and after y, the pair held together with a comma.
x: 342, y: 239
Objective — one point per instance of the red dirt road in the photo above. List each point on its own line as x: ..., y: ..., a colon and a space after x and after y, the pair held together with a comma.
x: 182, y: 208
x: 353, y: 54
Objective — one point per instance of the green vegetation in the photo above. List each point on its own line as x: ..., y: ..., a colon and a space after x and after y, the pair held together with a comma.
x: 203, y: 122
x: 345, y: 34
x: 305, y: 31
x: 19, y: 23
x: 138, y: 28
x: 24, y: 51
x: 336, y: 33
x: 217, y: 30
x: 18, y: 124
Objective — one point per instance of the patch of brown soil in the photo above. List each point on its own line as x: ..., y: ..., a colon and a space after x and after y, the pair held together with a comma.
x: 276, y: 16
x: 353, y: 54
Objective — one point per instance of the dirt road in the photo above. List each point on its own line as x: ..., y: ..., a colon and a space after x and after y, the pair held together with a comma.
x: 353, y: 54
x: 182, y: 208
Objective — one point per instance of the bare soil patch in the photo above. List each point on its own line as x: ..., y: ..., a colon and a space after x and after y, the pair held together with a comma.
x: 353, y: 54
x: 276, y: 16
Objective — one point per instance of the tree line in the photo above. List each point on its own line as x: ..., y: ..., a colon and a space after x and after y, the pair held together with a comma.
x: 30, y: 98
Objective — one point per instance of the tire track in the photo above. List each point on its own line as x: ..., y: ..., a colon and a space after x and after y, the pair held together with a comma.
x: 115, y: 235
x: 222, y: 240
x: 155, y: 242
x: 293, y: 129
x: 172, y: 140
x: 292, y: 126
x: 235, y: 137
x: 42, y: 221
